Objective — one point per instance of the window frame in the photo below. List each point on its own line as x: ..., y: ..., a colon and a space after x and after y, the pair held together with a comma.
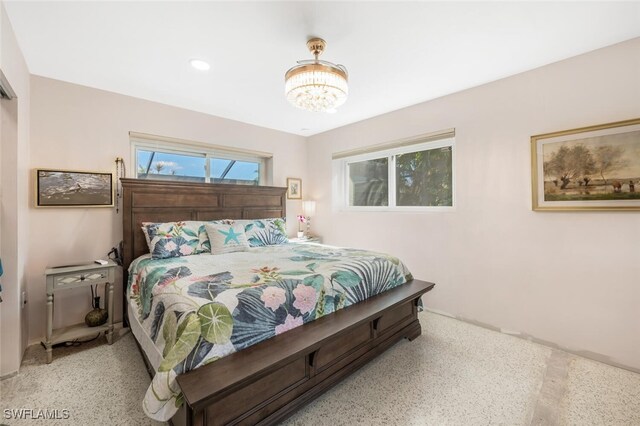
x: 341, y: 184
x: 200, y: 150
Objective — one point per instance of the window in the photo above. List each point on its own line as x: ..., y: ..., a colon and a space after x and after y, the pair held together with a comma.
x: 170, y: 160
x: 414, y: 176
x: 153, y: 164
x: 369, y: 182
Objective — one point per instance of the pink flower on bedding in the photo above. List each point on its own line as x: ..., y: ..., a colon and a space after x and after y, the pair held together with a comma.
x: 135, y: 287
x: 185, y: 250
x: 273, y: 297
x: 170, y: 246
x: 289, y: 323
x: 264, y: 269
x: 306, y: 298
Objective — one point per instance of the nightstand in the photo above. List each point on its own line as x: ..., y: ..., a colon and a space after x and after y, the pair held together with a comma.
x: 76, y: 276
x: 314, y: 239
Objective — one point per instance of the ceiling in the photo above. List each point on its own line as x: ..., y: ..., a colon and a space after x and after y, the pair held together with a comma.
x: 397, y: 53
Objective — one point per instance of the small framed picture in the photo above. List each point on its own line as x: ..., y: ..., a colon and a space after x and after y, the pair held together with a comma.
x: 294, y: 188
x: 72, y: 188
x: 591, y: 168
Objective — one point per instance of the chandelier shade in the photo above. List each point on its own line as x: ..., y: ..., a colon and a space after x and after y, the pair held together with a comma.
x: 315, y: 85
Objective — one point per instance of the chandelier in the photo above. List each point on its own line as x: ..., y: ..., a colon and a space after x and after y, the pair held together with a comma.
x: 316, y: 85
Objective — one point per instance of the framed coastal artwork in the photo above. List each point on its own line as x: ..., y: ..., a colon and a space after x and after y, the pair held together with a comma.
x: 294, y: 188
x: 72, y: 188
x: 591, y: 168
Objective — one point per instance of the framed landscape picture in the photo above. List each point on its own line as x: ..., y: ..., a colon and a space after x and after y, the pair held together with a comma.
x: 67, y: 188
x: 592, y: 168
x: 294, y: 188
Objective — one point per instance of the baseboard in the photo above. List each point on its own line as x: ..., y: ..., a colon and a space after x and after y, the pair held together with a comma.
x: 584, y: 354
x: 8, y: 375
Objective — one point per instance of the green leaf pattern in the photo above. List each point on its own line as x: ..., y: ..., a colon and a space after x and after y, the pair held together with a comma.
x: 187, y: 336
x: 216, y: 323
x: 169, y: 332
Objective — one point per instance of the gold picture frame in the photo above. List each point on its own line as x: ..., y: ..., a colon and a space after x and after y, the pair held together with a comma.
x: 589, y: 168
x: 55, y: 188
x: 294, y: 189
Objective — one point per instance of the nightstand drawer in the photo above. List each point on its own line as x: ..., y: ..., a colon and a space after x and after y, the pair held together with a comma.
x: 84, y: 278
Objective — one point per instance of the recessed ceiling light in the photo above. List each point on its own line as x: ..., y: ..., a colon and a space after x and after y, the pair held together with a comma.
x: 199, y: 64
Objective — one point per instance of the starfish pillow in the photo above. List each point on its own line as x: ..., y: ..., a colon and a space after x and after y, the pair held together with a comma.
x: 226, y: 238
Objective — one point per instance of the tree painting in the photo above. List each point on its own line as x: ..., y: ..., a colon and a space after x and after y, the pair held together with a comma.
x: 610, y: 158
x: 569, y: 164
x: 594, y: 168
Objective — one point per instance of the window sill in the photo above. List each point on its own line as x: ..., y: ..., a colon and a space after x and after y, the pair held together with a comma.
x: 434, y: 209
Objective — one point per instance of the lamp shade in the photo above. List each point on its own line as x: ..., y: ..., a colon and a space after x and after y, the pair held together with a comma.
x: 309, y: 208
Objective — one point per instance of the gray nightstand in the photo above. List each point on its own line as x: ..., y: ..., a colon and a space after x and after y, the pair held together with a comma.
x: 67, y: 277
x: 314, y: 239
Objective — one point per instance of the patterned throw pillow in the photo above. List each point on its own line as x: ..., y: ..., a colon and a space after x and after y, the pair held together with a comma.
x: 204, y: 245
x: 265, y: 232
x: 172, y: 239
x: 226, y: 238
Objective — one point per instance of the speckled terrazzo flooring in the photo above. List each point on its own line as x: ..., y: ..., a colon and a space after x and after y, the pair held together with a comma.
x: 601, y: 394
x: 455, y: 374
x: 99, y: 384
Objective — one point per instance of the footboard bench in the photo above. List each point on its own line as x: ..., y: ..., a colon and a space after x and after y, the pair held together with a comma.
x: 267, y: 382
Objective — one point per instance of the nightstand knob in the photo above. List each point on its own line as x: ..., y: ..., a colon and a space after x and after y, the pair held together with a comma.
x: 82, y: 277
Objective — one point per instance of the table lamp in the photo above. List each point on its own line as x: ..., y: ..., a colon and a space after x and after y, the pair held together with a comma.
x: 308, y: 210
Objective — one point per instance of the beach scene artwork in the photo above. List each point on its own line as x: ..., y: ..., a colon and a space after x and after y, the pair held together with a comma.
x: 595, y: 168
x: 71, y: 188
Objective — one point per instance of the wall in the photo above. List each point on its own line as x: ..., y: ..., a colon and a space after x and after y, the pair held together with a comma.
x: 76, y: 127
x: 571, y: 279
x: 13, y: 205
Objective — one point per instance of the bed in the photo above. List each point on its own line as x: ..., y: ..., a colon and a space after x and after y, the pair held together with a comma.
x: 309, y: 336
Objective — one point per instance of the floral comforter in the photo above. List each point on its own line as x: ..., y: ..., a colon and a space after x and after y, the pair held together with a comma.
x: 200, y: 308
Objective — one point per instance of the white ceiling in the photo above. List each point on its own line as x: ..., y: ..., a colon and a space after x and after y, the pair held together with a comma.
x: 398, y: 54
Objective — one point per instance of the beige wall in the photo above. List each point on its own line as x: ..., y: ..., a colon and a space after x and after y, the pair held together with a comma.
x: 13, y: 210
x: 76, y: 127
x: 572, y: 279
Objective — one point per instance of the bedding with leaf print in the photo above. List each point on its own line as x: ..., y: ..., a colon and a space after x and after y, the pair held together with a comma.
x: 198, y: 309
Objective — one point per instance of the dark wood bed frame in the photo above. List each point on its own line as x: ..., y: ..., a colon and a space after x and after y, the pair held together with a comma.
x: 269, y: 381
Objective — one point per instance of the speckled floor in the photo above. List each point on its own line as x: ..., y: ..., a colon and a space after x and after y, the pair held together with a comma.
x: 99, y: 384
x: 458, y: 374
x: 455, y: 374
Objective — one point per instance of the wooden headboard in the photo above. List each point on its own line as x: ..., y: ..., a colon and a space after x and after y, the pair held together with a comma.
x: 168, y: 201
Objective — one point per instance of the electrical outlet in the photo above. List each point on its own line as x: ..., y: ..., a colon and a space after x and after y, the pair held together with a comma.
x: 24, y: 299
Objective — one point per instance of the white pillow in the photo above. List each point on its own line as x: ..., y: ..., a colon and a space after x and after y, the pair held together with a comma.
x: 226, y: 238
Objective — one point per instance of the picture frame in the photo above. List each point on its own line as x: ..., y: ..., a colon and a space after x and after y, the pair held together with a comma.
x: 294, y: 189
x: 589, y: 168
x: 73, y: 188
